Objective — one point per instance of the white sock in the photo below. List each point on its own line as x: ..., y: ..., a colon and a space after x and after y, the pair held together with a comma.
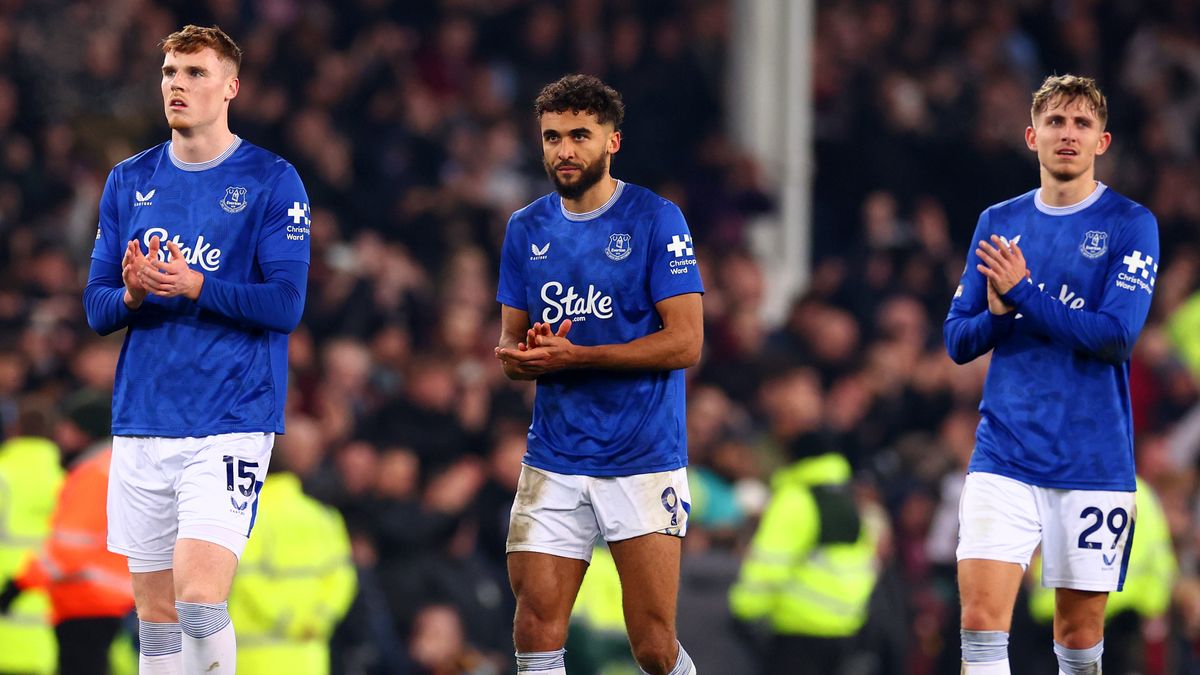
x: 160, y: 650
x: 1079, y: 661
x: 989, y: 668
x: 683, y: 664
x: 209, y: 645
x: 542, y: 663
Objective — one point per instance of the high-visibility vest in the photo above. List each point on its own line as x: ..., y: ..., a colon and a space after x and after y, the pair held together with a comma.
x: 811, y: 566
x: 30, y: 476
x: 294, y: 584
x: 84, y: 579
x: 598, y: 603
x: 1149, y: 577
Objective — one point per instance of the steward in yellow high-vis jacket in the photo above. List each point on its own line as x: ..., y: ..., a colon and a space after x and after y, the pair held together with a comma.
x: 294, y: 584
x: 30, y: 477
x: 811, y: 567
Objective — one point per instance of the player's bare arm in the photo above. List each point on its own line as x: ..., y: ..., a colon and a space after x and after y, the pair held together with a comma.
x: 676, y: 345
x: 171, y: 278
x: 1003, y: 265
x: 515, y: 334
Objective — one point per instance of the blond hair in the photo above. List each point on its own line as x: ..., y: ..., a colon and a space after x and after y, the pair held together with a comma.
x: 191, y: 39
x: 1062, y: 89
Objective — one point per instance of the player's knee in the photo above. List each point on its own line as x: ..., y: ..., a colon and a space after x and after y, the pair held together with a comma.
x: 537, y: 631
x: 654, y: 649
x: 156, y: 609
x: 198, y: 591
x: 1080, y: 636
x: 981, y: 617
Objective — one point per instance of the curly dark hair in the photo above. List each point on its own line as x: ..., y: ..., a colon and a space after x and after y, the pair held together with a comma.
x: 581, y: 93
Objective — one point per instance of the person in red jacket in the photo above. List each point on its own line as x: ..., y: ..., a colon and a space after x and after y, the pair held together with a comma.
x: 89, y: 587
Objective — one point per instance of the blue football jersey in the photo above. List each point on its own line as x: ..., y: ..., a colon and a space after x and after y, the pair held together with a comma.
x: 1056, y: 408
x: 604, y: 270
x: 184, y: 370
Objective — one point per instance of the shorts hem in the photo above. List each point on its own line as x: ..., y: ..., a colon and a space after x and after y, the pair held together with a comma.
x: 661, y: 530
x: 141, y: 555
x: 1023, y: 562
x: 215, y: 532
x: 1077, y: 585
x: 551, y: 550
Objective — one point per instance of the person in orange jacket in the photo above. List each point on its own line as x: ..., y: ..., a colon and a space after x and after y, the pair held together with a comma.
x: 89, y: 587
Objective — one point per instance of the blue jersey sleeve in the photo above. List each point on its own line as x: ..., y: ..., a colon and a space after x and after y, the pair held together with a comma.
x: 672, y: 260
x: 511, y: 289
x: 110, y: 246
x: 104, y: 298
x: 285, y: 229
x: 274, y: 304
x: 1109, y: 332
x: 971, y: 330
x: 104, y: 295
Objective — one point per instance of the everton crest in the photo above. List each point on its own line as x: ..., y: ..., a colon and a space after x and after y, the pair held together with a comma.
x: 234, y: 199
x: 1095, y: 244
x: 618, y: 246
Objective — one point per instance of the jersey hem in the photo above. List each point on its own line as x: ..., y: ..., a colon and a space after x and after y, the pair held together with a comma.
x: 193, y: 433
x: 512, y: 302
x: 671, y: 294
x: 1122, y: 486
x: 604, y: 473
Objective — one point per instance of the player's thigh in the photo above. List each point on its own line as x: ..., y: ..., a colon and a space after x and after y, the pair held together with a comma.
x: 649, y: 569
x: 203, y: 571
x: 219, y: 485
x: 141, y: 509
x: 1088, y: 538
x: 154, y: 596
x: 545, y: 586
x: 988, y: 591
x: 1078, y: 617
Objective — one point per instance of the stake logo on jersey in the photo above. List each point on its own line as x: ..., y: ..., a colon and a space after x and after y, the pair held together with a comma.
x: 192, y: 207
x: 199, y: 252
x: 601, y: 423
x: 571, y: 305
x: 234, y: 200
x: 1095, y: 244
x: 1079, y: 321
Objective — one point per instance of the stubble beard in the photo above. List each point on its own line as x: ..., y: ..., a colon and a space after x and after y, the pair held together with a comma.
x: 588, y: 177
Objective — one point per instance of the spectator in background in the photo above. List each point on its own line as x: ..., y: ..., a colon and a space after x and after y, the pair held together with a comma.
x: 296, y: 580
x: 89, y: 586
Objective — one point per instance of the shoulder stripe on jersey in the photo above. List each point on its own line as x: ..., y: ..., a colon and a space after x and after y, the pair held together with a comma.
x: 201, y: 166
x: 594, y: 213
x: 1073, y: 208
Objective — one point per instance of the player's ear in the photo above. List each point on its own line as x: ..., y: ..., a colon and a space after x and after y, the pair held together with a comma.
x: 614, y: 142
x: 1105, y: 141
x: 1031, y: 138
x: 232, y: 87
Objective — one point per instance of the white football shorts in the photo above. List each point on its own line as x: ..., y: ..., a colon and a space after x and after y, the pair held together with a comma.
x: 1085, y: 534
x: 163, y: 489
x: 564, y: 514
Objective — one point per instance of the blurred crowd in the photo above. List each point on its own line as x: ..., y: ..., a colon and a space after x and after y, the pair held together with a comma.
x: 411, y: 126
